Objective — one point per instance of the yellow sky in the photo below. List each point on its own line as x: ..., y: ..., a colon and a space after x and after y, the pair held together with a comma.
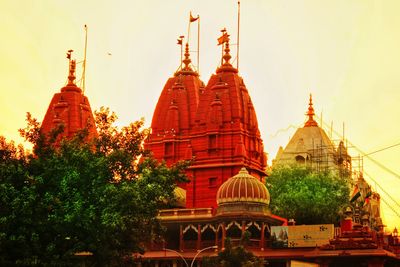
x: 345, y: 52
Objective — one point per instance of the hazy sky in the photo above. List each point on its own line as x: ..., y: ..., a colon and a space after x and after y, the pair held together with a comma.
x: 345, y: 52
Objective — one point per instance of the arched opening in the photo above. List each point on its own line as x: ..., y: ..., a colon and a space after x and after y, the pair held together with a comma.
x: 255, y: 233
x: 190, y: 238
x: 234, y: 232
x: 208, y: 237
x: 220, y: 234
x: 300, y: 159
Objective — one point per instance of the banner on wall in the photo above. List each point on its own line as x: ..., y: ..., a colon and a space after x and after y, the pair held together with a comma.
x: 301, y: 235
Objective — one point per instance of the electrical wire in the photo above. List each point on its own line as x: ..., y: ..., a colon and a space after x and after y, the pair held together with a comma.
x: 383, y: 190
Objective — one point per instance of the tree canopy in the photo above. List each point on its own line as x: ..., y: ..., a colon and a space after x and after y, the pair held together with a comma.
x: 306, y: 196
x: 99, y: 196
x: 234, y: 256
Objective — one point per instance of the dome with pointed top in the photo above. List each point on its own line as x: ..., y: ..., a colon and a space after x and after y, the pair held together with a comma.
x: 243, y: 187
x: 311, y: 146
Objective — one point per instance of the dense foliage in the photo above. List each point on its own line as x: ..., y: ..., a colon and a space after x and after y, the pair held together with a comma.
x: 306, y: 196
x: 69, y: 196
x: 234, y: 256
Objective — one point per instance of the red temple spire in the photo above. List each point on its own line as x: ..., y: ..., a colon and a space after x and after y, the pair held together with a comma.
x: 310, y: 113
x: 69, y: 107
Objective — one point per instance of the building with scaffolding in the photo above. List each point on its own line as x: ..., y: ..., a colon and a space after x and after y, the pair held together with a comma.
x: 311, y: 146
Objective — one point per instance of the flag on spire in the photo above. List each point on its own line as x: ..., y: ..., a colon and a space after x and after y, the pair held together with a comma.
x: 223, y: 39
x: 193, y: 19
x: 180, y: 40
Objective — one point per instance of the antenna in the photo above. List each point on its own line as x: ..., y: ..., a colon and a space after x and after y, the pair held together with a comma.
x: 84, y: 63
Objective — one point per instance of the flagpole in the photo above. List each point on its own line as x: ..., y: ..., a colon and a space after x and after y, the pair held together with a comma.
x: 188, y: 36
x: 84, y: 62
x: 198, y: 45
x: 181, y: 54
x: 238, y: 31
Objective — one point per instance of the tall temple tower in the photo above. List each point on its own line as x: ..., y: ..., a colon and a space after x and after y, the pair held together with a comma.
x: 69, y: 107
x: 226, y: 136
x: 310, y: 145
x: 174, y: 115
x: 216, y: 126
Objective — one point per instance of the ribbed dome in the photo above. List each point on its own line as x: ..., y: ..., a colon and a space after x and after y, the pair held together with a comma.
x: 243, y: 188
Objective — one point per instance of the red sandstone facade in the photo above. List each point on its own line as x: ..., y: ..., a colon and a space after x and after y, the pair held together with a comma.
x: 215, y: 125
x: 71, y: 108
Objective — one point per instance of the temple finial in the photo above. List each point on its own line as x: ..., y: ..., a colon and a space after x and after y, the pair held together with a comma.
x: 187, y: 59
x: 226, y: 66
x: 185, y: 68
x: 227, y: 56
x: 72, y: 67
x: 224, y: 39
x: 310, y: 113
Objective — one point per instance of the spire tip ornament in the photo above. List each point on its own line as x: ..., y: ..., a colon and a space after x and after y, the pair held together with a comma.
x: 72, y: 67
x: 310, y: 113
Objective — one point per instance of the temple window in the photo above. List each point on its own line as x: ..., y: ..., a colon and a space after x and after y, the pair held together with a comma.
x: 212, y: 182
x: 212, y: 143
x: 168, y: 149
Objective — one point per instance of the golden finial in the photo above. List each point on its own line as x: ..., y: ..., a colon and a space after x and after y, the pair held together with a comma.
x: 310, y: 113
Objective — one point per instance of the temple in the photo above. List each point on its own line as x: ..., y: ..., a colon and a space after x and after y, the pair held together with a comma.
x: 311, y: 146
x: 70, y: 107
x: 215, y: 125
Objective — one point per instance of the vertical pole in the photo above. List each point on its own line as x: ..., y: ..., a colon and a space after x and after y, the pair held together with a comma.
x: 189, y: 28
x: 223, y: 236
x: 84, y: 62
x: 198, y: 236
x: 198, y: 45
x: 262, y: 245
x: 237, y: 52
x: 216, y: 236
x: 180, y: 238
x: 181, y: 54
x: 343, y: 133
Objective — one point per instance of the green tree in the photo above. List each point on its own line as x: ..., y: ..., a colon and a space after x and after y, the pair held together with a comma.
x: 234, y: 256
x: 306, y: 196
x: 99, y: 196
